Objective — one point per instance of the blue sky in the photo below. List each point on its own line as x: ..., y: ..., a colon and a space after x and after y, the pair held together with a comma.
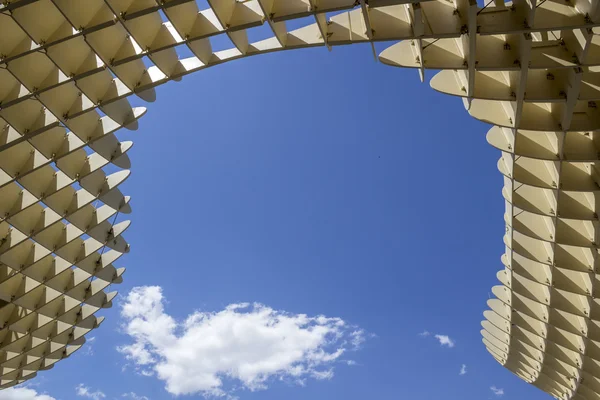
x: 312, y: 184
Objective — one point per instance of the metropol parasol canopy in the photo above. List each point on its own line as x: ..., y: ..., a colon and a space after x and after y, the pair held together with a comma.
x: 530, y: 68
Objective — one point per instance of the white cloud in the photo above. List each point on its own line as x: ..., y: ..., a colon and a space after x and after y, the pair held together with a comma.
x: 23, y: 393
x: 497, y: 392
x: 88, y: 349
x: 85, y: 391
x: 357, y: 338
x: 445, y: 340
x: 134, y: 396
x: 424, y: 333
x: 463, y: 370
x: 248, y: 343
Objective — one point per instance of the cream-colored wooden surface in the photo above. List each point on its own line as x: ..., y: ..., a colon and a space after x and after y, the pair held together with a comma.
x: 530, y: 68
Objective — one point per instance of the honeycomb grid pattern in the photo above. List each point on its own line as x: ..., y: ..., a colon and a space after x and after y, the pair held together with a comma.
x: 67, y: 68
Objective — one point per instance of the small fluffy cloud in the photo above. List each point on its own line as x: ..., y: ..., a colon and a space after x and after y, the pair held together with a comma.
x: 23, y: 393
x: 496, y: 391
x: 247, y: 345
x: 85, y: 391
x: 134, y: 396
x: 445, y: 340
x: 88, y: 349
x: 463, y: 370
